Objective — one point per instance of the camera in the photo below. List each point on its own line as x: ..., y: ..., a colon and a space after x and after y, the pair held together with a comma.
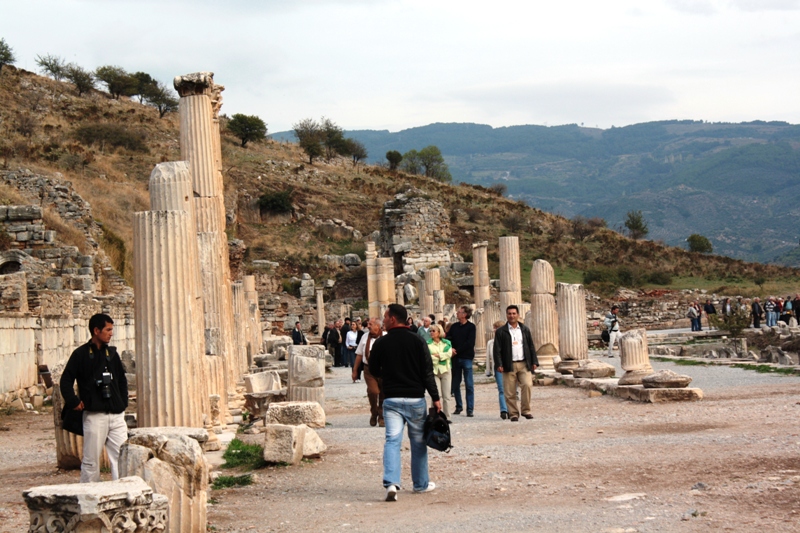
x: 105, y: 385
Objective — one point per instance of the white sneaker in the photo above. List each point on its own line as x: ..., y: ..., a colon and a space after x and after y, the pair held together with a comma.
x: 430, y: 487
x: 391, y: 493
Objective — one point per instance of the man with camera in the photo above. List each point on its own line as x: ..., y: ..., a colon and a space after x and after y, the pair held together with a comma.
x: 612, y: 324
x: 102, y: 397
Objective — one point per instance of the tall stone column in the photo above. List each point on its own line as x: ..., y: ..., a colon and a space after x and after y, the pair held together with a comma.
x: 372, y: 281
x: 491, y: 314
x: 634, y: 357
x: 168, y: 352
x: 480, y: 335
x: 320, y: 312
x: 240, y: 334
x: 510, y: 280
x: 544, y: 326
x: 256, y: 336
x: 438, y: 304
x: 480, y: 273
x: 199, y: 140
x: 385, y: 280
x: 573, y: 340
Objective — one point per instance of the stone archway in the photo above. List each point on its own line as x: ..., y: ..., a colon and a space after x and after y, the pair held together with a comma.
x: 11, y: 261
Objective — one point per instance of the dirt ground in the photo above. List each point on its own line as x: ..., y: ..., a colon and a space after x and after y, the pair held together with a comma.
x: 728, y: 463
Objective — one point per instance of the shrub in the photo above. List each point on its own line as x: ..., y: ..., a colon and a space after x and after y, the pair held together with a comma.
x: 500, y: 189
x: 239, y: 454
x: 699, y: 243
x: 512, y: 222
x: 226, y: 482
x: 276, y: 202
x: 660, y: 277
x: 114, y: 135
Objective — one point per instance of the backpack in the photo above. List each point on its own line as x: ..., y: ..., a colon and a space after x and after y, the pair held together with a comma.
x: 437, y: 431
x: 605, y: 335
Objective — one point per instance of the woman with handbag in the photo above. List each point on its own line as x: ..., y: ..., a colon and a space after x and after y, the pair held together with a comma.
x: 441, y: 353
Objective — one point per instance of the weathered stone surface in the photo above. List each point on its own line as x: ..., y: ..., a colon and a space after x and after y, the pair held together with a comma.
x: 306, y: 366
x: 640, y: 394
x: 312, y: 444
x: 198, y: 434
x: 295, y: 413
x: 573, y: 342
x: 262, y: 381
x: 666, y: 379
x: 591, y: 368
x: 634, y: 357
x: 127, y: 504
x: 543, y: 279
x: 284, y: 443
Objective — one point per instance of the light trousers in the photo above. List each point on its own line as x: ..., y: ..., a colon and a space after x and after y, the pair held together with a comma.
x: 613, y: 336
x: 443, y: 384
x: 101, y: 429
x: 519, y: 375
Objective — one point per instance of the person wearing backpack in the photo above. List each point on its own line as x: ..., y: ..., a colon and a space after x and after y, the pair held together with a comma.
x: 612, y: 325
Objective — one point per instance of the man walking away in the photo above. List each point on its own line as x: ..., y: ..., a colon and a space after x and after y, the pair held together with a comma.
x: 515, y: 358
x: 374, y: 392
x: 102, y: 396
x: 401, y: 359
x: 462, y: 336
x: 612, y: 324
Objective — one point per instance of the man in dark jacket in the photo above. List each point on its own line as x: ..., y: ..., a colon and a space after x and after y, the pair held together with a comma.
x: 402, y: 361
x: 102, y: 397
x: 298, y: 338
x: 462, y: 336
x: 757, y: 312
x: 515, y: 357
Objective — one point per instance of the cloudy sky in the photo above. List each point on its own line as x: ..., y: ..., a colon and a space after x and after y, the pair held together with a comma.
x: 394, y: 64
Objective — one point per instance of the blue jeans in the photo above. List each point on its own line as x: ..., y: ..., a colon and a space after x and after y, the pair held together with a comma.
x: 398, y: 412
x: 349, y: 357
x: 463, y: 367
x: 772, y: 318
x: 498, y: 377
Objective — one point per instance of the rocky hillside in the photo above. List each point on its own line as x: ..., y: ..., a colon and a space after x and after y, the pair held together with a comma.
x: 107, y: 148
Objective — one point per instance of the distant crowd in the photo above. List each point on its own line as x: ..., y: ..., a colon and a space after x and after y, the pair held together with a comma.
x: 769, y: 312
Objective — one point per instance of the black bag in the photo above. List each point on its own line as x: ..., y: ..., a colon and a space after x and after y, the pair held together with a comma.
x: 437, y: 431
x: 605, y: 335
x: 72, y: 421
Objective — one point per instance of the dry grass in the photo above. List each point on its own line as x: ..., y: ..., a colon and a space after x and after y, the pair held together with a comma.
x: 66, y: 232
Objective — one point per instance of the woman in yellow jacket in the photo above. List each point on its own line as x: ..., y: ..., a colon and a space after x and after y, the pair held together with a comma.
x: 441, y: 352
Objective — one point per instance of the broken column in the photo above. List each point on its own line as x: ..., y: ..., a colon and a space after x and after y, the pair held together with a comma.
x: 171, y: 461
x: 306, y: 374
x: 573, y: 341
x: 634, y: 357
x: 256, y: 335
x: 199, y: 148
x: 510, y: 280
x: 400, y: 296
x: 544, y: 316
x: 372, y: 281
x: 480, y: 273
x: 385, y: 269
x: 127, y: 504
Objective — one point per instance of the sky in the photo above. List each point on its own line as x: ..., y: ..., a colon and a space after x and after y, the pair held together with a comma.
x: 396, y: 64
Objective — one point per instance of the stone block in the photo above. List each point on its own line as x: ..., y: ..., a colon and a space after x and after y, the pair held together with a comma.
x: 665, y: 379
x: 262, y: 381
x: 54, y: 283
x: 23, y: 212
x: 284, y: 443
x: 352, y: 260
x: 312, y: 444
x: 592, y: 369
x: 296, y: 413
x: 640, y: 394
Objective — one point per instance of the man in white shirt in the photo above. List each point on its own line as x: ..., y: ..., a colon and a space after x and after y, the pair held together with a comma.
x: 515, y: 358
x: 374, y: 392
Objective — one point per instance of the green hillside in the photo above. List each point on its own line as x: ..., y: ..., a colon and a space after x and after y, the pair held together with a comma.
x: 737, y: 184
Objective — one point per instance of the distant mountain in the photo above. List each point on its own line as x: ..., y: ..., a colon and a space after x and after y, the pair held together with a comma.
x: 737, y: 184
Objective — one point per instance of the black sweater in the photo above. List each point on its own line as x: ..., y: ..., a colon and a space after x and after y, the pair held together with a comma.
x: 462, y: 337
x: 402, y: 359
x: 87, y: 364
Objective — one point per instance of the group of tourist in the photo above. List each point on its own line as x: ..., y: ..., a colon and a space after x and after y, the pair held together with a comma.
x: 770, y: 311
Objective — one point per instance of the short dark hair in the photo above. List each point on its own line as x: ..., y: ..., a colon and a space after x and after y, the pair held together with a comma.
x: 433, y: 318
x: 399, y: 312
x: 615, y: 307
x: 467, y: 311
x: 347, y: 319
x: 99, y: 321
x: 513, y: 306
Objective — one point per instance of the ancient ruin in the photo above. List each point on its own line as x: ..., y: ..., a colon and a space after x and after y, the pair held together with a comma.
x: 634, y: 357
x: 544, y: 316
x: 572, y: 337
x: 510, y: 280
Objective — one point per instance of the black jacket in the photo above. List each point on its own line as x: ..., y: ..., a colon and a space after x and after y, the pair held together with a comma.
x: 502, y: 348
x: 462, y: 337
x: 402, y: 359
x: 86, y: 365
x: 298, y: 338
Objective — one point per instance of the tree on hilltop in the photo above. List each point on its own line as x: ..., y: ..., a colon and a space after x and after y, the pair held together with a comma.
x: 355, y: 149
x: 53, y: 66
x: 636, y: 224
x: 333, y: 139
x: 247, y: 128
x: 162, y: 98
x: 699, y: 243
x: 145, y: 85
x: 119, y: 82
x: 7, y: 56
x: 393, y: 157
x: 411, y: 162
x: 81, y: 78
x: 310, y: 136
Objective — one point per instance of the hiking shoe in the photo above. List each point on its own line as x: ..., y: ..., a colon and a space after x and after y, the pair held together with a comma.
x: 457, y: 411
x: 469, y: 413
x: 430, y: 487
x: 373, y: 420
x: 504, y: 415
x: 381, y: 423
x: 514, y: 419
x: 391, y: 493
x: 528, y: 416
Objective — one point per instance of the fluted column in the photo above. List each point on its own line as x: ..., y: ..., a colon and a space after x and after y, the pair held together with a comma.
x: 433, y: 281
x: 385, y: 280
x: 438, y: 304
x: 544, y: 319
x: 197, y: 129
x: 422, y: 292
x: 167, y: 349
x: 239, y: 361
x: 510, y: 280
x: 480, y: 273
x: 372, y: 281
x: 634, y: 357
x: 320, y: 311
x: 572, y: 338
x: 480, y: 335
x: 491, y: 314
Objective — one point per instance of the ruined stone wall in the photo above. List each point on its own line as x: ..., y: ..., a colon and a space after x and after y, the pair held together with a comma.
x: 415, y: 232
